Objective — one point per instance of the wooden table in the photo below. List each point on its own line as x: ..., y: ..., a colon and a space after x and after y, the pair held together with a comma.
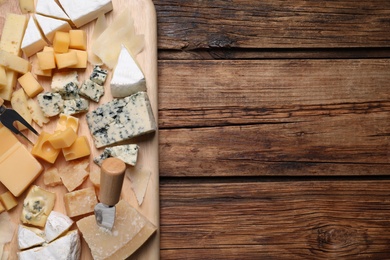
x: 274, y: 129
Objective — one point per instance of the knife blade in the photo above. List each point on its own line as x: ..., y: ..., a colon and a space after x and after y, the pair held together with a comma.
x: 112, y: 173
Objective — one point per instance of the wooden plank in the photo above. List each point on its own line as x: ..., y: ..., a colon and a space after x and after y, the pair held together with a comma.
x: 274, y: 220
x: 187, y: 25
x: 144, y: 15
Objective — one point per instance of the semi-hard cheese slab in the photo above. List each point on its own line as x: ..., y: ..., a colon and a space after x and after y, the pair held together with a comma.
x: 145, y: 26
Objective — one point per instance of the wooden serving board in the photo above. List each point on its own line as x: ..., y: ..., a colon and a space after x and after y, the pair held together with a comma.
x: 144, y: 15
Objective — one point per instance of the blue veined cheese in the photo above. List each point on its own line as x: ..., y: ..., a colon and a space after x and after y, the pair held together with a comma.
x: 128, y: 77
x: 98, y: 75
x: 128, y: 153
x: 66, y: 83
x: 121, y: 119
x: 50, y: 103
x: 91, y: 90
x: 75, y: 106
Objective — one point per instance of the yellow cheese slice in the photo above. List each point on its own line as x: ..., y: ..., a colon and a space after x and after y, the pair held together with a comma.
x: 19, y: 104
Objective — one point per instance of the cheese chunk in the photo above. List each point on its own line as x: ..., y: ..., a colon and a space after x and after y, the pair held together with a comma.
x: 98, y: 75
x: 56, y: 225
x: 26, y: 6
x: 78, y: 39
x: 64, y: 248
x: 82, y: 59
x: 74, y: 173
x: 19, y: 104
x: 8, y: 200
x: 51, y: 104
x: 91, y: 90
x: 130, y: 231
x: 6, y: 92
x: 37, y: 206
x: 36, y: 113
x: 30, y: 85
x: 78, y: 149
x: 66, y: 121
x: 63, y: 139
x: 14, y: 62
x: 128, y: 153
x: 75, y: 106
x: 66, y: 83
x: 46, y: 60
x: 50, y: 26
x: 44, y: 150
x: 127, y: 78
x: 16, y: 176
x: 29, y: 237
x: 3, y: 78
x: 121, y: 119
x: 61, y: 42
x: 32, y: 40
x: 80, y: 202
x: 36, y: 69
x: 66, y: 60
x: 51, y: 177
x: 83, y: 12
x: 50, y: 8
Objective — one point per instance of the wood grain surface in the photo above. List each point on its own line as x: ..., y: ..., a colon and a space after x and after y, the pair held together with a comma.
x: 144, y: 16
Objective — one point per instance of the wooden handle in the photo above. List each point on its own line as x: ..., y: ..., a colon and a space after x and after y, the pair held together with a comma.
x: 112, y: 174
x: 1, y: 101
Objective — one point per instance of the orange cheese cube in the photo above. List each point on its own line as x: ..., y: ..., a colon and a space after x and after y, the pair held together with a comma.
x: 16, y: 176
x: 78, y: 149
x: 46, y: 60
x: 61, y: 42
x: 78, y: 39
x: 80, y: 202
x: 63, y: 139
x: 8, y: 200
x: 30, y: 85
x: 66, y: 121
x: 82, y: 59
x: 65, y: 60
x: 44, y: 149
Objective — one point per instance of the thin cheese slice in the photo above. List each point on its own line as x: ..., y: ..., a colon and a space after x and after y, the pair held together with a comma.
x: 139, y: 181
x: 100, y: 26
x: 130, y: 231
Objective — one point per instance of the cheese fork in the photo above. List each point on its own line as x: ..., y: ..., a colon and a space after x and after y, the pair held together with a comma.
x: 8, y: 116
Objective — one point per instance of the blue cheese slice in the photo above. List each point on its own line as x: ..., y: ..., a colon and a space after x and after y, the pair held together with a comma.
x: 128, y: 153
x: 98, y: 75
x: 121, y: 119
x: 66, y: 83
x: 50, y: 103
x: 91, y: 90
x: 128, y: 77
x: 75, y: 106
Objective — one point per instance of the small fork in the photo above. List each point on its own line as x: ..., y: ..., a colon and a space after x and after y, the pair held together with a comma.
x: 8, y: 116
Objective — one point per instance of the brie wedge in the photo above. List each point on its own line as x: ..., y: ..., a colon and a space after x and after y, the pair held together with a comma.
x: 56, y: 225
x: 128, y: 78
x: 30, y: 237
x: 32, y: 39
x: 50, y: 25
x: 50, y: 8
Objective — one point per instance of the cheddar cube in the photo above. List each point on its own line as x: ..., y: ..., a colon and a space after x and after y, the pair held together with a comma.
x: 82, y: 59
x: 65, y: 60
x: 80, y: 202
x: 66, y: 121
x: 63, y: 139
x: 3, y: 77
x: 36, y: 70
x: 30, y: 85
x: 46, y: 60
x: 61, y: 42
x: 44, y: 150
x: 78, y: 39
x: 14, y: 62
x: 8, y: 200
x: 48, y: 48
x: 78, y: 149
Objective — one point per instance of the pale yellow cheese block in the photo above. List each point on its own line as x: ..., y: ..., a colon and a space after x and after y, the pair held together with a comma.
x: 130, y: 231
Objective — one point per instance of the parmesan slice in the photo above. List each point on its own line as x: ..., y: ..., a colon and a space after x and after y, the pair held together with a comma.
x: 139, y: 178
x: 74, y: 173
x: 7, y: 228
x: 100, y: 26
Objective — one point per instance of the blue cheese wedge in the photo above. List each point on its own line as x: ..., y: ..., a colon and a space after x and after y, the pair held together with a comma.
x: 98, y: 75
x: 121, y: 119
x: 75, y: 106
x: 29, y: 237
x: 91, y: 90
x: 128, y: 77
x: 50, y: 103
x: 128, y: 153
x: 64, y: 248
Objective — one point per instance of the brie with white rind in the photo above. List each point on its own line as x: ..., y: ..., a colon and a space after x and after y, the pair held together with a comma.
x: 56, y: 225
x: 50, y: 8
x: 29, y: 237
x: 128, y: 77
x: 64, y: 248
x: 83, y: 12
x: 32, y: 39
x: 50, y: 25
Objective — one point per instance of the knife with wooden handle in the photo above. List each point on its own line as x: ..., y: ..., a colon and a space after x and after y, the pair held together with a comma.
x: 112, y: 173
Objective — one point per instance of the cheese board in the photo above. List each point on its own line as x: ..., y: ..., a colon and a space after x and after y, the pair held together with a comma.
x: 145, y: 24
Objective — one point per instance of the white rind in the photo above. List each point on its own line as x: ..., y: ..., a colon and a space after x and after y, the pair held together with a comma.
x: 32, y: 39
x: 50, y: 8
x: 50, y: 25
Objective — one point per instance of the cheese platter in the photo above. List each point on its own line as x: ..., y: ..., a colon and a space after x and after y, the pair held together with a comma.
x: 70, y: 174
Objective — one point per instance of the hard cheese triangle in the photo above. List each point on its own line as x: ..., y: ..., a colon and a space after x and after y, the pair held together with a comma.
x: 130, y: 231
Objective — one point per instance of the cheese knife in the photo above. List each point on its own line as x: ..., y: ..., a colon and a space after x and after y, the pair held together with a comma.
x: 112, y: 173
